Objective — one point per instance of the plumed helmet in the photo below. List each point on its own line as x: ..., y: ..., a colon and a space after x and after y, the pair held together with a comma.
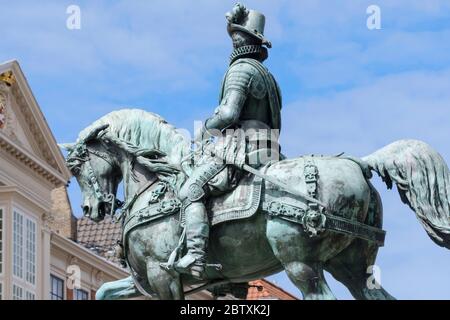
x: 248, y: 21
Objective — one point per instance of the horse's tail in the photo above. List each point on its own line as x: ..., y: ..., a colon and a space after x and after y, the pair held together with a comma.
x: 423, y: 181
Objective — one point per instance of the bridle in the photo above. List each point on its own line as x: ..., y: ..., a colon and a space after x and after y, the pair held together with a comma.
x: 84, y: 156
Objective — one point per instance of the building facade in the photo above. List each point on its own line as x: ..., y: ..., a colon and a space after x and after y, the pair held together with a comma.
x: 31, y: 168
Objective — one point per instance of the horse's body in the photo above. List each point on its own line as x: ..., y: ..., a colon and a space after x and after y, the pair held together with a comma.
x: 262, y: 245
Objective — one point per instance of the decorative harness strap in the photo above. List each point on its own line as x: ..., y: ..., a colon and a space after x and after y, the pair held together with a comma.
x: 124, y: 210
x: 324, y: 221
x: 156, y: 209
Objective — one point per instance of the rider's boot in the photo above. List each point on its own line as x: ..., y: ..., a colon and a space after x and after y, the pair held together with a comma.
x: 197, y: 232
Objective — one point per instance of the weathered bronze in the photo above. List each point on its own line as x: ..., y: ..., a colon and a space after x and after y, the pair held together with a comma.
x: 225, y: 213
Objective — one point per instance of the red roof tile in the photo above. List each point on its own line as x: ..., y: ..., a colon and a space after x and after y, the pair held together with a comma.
x: 265, y: 290
x: 100, y: 237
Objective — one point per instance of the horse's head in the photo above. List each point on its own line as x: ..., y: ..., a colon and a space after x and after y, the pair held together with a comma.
x: 97, y: 171
x: 132, y: 144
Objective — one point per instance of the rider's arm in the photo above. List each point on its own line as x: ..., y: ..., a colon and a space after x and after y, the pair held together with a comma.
x: 228, y: 112
x: 237, y: 83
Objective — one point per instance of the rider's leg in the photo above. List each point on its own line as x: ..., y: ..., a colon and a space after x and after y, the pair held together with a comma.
x: 197, y: 232
x: 192, y: 195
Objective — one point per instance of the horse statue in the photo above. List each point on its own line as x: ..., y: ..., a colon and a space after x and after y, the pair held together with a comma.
x: 259, y: 228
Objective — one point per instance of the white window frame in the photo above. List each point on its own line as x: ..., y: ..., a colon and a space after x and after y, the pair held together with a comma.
x: 22, y: 281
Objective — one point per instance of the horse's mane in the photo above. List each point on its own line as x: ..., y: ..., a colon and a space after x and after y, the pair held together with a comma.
x: 144, y: 129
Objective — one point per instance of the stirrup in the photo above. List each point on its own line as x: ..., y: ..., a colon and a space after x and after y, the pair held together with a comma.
x: 192, y: 267
x: 197, y: 270
x: 216, y: 266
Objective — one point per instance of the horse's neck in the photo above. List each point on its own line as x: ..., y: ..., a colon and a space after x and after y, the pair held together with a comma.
x: 134, y: 179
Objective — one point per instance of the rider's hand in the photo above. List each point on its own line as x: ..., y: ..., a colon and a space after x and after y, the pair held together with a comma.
x: 201, y: 135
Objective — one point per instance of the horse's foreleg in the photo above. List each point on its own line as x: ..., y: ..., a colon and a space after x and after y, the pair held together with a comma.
x: 116, y: 290
x: 309, y: 278
x: 166, y: 285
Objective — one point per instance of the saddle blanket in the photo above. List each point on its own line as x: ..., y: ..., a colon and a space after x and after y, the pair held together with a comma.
x: 242, y: 202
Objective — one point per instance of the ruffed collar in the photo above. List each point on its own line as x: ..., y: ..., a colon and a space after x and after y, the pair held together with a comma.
x: 244, y: 51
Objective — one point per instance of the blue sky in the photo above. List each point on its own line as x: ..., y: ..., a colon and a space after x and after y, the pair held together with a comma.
x: 345, y: 88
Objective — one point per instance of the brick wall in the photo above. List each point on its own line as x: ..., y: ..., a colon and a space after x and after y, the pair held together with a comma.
x: 62, y: 220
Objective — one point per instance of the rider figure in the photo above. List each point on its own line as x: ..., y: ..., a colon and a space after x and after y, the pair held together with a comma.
x: 250, y: 100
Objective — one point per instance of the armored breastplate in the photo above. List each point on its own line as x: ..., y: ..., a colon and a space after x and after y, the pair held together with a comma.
x: 263, y: 98
x: 257, y: 109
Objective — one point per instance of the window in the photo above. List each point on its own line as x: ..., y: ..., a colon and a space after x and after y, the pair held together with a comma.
x: 17, y: 292
x: 29, y: 296
x: 56, y: 288
x: 18, y: 245
x: 79, y: 294
x: 30, y: 253
x: 24, y: 256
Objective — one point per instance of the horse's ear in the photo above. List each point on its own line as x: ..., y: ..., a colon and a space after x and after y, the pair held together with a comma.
x: 95, y: 133
x: 67, y: 146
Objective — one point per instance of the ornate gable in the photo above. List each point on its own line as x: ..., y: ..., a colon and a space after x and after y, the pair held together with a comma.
x: 9, y: 123
x: 23, y: 128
